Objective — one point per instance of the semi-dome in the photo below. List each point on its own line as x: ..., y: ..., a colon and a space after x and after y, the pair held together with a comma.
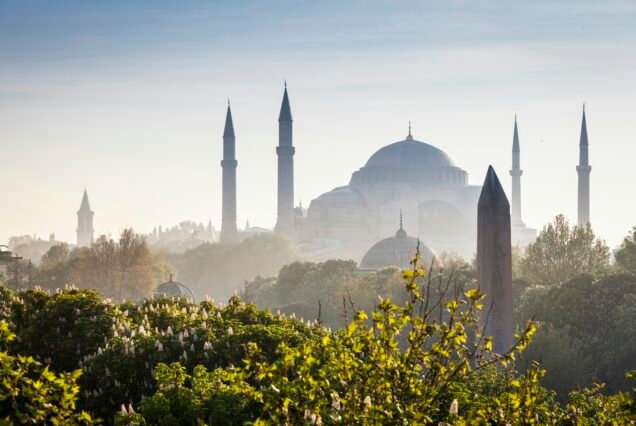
x: 397, y: 251
x: 172, y: 288
x: 409, y: 153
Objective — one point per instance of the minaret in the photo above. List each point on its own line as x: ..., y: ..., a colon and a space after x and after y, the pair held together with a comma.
x: 285, y: 151
x: 85, y: 231
x: 516, y: 173
x: 583, y: 170
x: 229, y: 231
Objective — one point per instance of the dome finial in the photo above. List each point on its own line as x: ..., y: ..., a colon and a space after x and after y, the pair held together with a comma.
x: 410, y: 136
x: 401, y: 233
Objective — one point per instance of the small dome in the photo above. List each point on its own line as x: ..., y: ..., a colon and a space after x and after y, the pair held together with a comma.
x: 409, y: 153
x: 397, y: 251
x: 172, y: 288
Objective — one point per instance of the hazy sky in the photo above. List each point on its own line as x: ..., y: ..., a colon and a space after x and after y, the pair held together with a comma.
x: 128, y: 99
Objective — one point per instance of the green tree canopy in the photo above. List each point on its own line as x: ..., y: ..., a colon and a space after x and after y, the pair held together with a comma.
x: 562, y: 252
x: 625, y: 255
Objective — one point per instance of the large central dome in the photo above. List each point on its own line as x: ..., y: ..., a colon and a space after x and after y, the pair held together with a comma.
x: 409, y: 162
x: 409, y: 153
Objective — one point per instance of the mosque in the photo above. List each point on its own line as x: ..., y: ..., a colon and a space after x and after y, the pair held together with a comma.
x: 408, y: 179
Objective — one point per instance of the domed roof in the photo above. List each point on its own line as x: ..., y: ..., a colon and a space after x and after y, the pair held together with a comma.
x: 409, y: 153
x: 173, y: 288
x: 397, y: 251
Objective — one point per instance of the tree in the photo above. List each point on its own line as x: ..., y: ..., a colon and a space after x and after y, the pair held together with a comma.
x: 586, y: 330
x: 55, y: 268
x: 562, y: 252
x: 59, y: 253
x: 625, y: 255
x: 125, y: 269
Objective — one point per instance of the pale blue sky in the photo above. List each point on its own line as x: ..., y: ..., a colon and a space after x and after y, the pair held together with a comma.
x: 129, y: 100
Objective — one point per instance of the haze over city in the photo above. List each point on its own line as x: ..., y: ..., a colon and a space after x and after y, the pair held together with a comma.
x: 128, y: 101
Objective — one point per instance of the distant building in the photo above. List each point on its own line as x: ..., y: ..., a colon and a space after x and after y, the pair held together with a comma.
x: 184, y: 236
x: 85, y: 231
x: 172, y: 288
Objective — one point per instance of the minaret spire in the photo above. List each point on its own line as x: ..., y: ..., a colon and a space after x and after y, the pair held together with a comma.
x: 285, y: 151
x: 583, y: 170
x: 409, y: 137
x: 85, y: 231
x: 229, y: 232
x: 516, y: 173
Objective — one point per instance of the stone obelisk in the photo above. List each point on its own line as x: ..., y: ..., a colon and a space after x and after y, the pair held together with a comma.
x: 494, y: 263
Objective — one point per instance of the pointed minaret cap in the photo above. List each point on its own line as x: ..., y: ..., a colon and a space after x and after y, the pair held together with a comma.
x: 409, y: 137
x: 584, y: 140
x: 285, y: 109
x: 85, y: 206
x: 229, y: 125
x: 492, y: 197
x: 515, y: 138
x: 401, y: 233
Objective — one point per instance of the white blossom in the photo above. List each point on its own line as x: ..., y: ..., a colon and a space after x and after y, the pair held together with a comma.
x: 367, y: 401
x: 454, y: 408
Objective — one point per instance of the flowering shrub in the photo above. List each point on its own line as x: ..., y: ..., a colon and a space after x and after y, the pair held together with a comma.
x: 31, y: 394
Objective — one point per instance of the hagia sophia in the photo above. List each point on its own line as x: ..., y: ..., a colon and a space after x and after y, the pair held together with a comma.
x: 409, y: 193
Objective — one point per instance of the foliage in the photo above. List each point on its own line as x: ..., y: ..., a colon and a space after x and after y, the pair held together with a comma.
x: 125, y: 269
x: 562, y: 252
x: 587, y: 332
x: 361, y: 375
x: 415, y: 357
x: 625, y: 255
x: 58, y: 329
x: 55, y: 268
x: 328, y: 290
x: 31, y: 394
x: 219, y: 270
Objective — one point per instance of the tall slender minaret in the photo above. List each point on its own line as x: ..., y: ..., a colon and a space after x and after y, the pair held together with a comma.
x: 285, y: 151
x: 85, y: 231
x: 229, y: 232
x: 516, y: 173
x: 583, y: 170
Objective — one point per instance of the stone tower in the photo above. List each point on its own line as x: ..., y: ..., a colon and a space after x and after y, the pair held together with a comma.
x: 285, y: 151
x: 229, y: 231
x: 85, y: 231
x: 516, y: 173
x: 583, y: 170
x: 494, y: 263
